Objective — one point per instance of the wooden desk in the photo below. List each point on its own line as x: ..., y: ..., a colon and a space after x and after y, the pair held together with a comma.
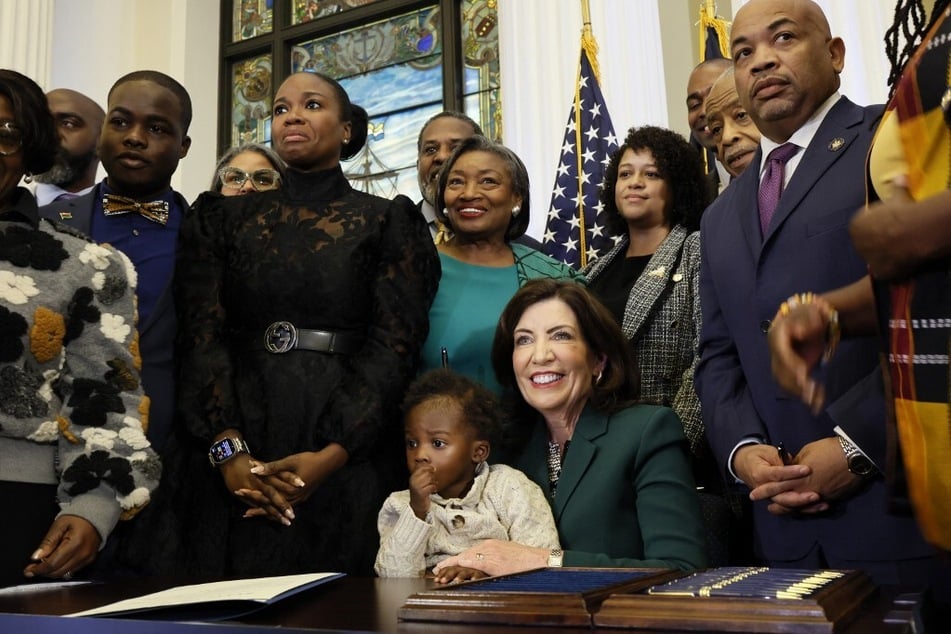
x: 349, y: 604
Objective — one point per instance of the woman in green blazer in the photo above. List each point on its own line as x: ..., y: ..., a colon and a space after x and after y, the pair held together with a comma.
x: 617, y: 473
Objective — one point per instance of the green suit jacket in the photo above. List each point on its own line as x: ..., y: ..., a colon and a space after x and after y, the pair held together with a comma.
x: 626, y: 497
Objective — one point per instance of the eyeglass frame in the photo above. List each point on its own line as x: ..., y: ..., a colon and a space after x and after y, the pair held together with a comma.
x: 10, y: 126
x: 249, y: 177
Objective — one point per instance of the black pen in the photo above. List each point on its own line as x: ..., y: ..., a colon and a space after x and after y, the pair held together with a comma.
x: 445, y: 357
x: 784, y: 455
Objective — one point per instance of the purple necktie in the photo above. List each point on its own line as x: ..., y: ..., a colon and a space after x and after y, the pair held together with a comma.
x: 771, y: 187
x: 66, y: 196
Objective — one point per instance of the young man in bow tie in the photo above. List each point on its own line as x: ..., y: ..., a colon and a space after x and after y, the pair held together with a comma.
x: 135, y: 210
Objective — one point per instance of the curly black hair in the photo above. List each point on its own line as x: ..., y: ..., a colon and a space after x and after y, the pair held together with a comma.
x: 681, y: 168
x: 480, y: 407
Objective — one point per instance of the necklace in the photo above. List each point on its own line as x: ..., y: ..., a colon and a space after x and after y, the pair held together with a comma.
x: 554, y: 465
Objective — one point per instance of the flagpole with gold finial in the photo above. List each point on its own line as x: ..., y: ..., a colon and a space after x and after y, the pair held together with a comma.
x: 591, y: 48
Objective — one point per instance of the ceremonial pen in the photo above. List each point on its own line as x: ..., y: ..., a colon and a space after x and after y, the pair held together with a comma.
x: 445, y: 356
x: 784, y: 455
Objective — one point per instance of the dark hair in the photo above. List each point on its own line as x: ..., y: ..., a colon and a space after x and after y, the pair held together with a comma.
x: 356, y: 116
x: 679, y: 165
x: 453, y: 114
x: 518, y: 224
x: 276, y: 161
x: 154, y: 76
x: 910, y: 25
x: 619, y: 386
x: 480, y: 408
x: 31, y: 113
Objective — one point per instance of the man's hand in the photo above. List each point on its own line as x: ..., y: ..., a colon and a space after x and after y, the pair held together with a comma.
x: 797, y: 342
x: 763, y: 470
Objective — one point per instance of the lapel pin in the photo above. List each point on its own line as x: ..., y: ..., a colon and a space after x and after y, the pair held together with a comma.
x: 658, y: 272
x: 65, y: 215
x: 836, y: 144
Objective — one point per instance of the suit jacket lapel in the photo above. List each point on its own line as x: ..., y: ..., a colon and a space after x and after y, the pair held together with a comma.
x: 746, y: 190
x: 833, y: 137
x: 578, y: 459
x: 651, y: 284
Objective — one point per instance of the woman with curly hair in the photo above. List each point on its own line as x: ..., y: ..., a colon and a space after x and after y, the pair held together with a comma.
x: 654, y: 191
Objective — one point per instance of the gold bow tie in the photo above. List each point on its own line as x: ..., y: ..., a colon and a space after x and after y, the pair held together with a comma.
x: 156, y: 211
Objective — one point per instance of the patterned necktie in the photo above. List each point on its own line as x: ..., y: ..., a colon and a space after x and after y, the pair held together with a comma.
x: 156, y: 211
x: 771, y: 188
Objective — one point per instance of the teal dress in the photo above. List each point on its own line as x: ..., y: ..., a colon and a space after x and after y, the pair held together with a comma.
x: 468, y: 304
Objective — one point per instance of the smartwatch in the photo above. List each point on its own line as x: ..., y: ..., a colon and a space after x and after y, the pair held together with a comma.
x: 225, y: 449
x: 859, y: 463
x: 555, y: 558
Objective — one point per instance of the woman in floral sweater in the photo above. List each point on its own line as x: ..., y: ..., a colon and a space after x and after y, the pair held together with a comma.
x: 73, y: 456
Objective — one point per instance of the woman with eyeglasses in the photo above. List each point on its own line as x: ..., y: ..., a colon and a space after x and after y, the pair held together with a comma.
x: 302, y: 313
x: 73, y: 455
x: 246, y: 168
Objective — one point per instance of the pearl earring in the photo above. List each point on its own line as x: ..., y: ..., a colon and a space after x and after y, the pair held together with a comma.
x: 515, y: 210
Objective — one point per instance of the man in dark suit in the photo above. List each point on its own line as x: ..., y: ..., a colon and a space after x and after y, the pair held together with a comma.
x: 698, y: 87
x: 438, y: 138
x: 79, y: 123
x: 135, y: 209
x: 816, y: 479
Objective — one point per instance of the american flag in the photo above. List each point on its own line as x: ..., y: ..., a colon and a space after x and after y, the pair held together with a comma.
x: 575, y: 233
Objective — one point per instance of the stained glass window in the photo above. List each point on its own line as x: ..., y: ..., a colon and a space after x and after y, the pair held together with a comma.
x: 391, y: 61
x: 251, y: 100
x: 307, y: 10
x: 251, y: 18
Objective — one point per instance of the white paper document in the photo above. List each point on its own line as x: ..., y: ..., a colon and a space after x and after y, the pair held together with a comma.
x: 263, y: 590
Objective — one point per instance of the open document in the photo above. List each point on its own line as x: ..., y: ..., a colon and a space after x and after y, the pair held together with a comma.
x: 214, y: 601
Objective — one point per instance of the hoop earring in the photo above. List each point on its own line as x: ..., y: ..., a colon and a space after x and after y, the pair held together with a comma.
x: 597, y: 379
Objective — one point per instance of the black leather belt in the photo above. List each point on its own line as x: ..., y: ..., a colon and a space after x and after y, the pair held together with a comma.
x: 283, y: 336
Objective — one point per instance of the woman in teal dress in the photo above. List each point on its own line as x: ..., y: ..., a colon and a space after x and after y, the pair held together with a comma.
x: 484, y: 194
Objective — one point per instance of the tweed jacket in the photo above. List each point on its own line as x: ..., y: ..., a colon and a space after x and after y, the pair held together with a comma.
x: 662, y: 321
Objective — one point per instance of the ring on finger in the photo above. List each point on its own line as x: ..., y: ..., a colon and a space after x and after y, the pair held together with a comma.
x: 480, y: 556
x: 68, y: 575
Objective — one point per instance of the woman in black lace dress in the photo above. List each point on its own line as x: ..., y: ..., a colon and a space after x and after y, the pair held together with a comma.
x: 301, y: 316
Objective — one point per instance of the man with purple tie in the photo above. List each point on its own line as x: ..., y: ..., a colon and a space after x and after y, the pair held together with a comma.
x: 781, y: 228
x: 134, y: 208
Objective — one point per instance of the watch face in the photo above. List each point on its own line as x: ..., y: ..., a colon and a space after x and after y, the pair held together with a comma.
x: 223, y: 450
x: 860, y: 465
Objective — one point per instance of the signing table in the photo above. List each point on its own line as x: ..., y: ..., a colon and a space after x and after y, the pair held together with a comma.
x: 349, y: 604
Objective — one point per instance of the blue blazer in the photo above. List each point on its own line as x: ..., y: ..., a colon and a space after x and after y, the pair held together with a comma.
x: 156, y: 336
x: 744, y: 277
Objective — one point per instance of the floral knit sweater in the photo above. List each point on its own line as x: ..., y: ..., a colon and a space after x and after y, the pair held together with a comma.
x: 72, y: 408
